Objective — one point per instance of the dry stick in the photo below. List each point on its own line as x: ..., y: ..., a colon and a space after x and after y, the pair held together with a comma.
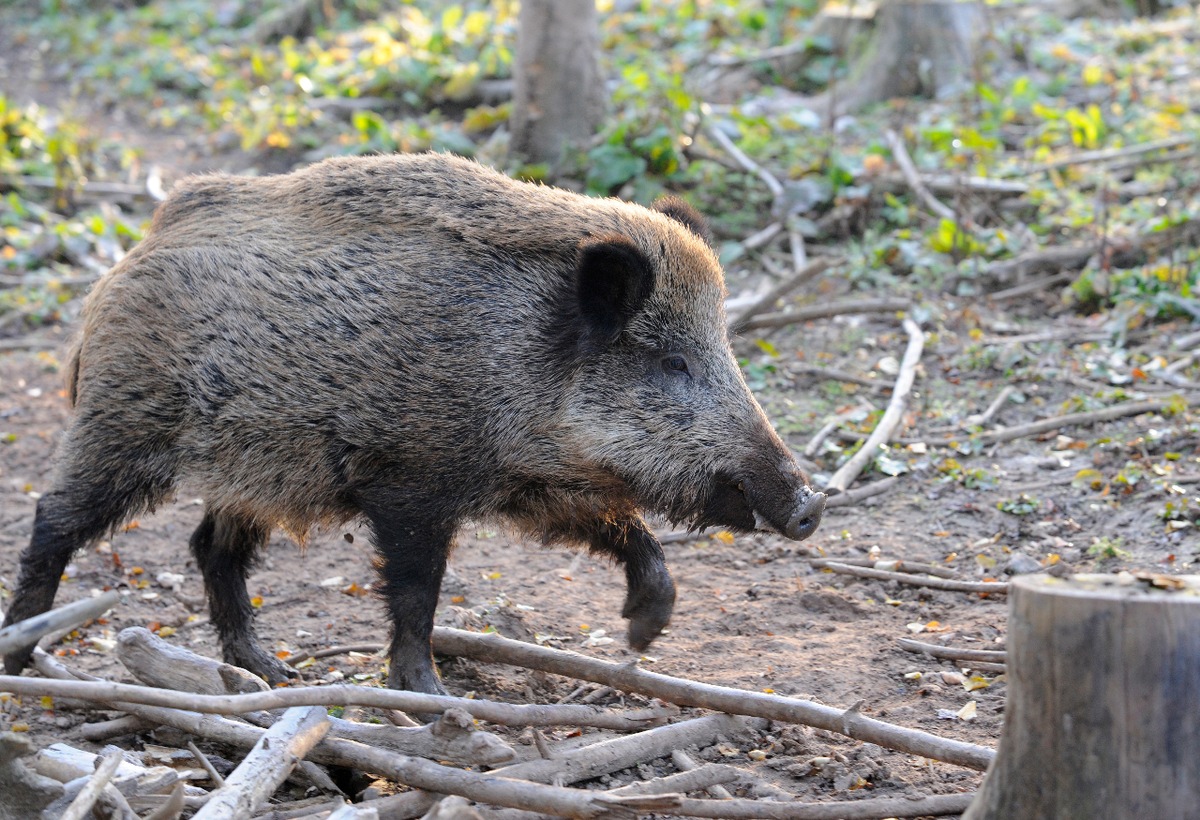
x: 1030, y: 287
x: 900, y: 154
x: 29, y: 631
x: 172, y: 807
x: 710, y: 776
x: 807, y: 273
x: 104, y: 730
x: 952, y: 653
x: 748, y: 164
x: 760, y: 238
x: 268, y: 764
x: 629, y: 678
x: 597, y: 759
x: 826, y: 311
x: 1070, y: 419
x: 887, y: 565
x: 892, y: 417
x: 992, y: 409
x: 1111, y: 154
x: 916, y: 580
x: 339, y: 695
x: 684, y: 763
x: 369, y: 648
x: 201, y: 758
x: 852, y: 497
x: 834, y: 374
x: 106, y: 767
x: 832, y: 424
x: 935, y: 806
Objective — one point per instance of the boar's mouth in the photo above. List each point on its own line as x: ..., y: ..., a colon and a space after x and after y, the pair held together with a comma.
x: 732, y: 503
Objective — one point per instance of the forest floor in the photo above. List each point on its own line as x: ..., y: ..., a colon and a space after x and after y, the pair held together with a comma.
x: 753, y: 612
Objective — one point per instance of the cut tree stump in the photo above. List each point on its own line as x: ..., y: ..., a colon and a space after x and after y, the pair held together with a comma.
x: 1102, y: 719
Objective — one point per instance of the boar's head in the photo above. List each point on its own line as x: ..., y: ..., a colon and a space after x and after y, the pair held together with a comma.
x: 657, y: 398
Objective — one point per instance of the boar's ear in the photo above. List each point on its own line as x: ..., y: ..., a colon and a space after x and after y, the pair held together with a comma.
x: 614, y: 280
x: 684, y: 214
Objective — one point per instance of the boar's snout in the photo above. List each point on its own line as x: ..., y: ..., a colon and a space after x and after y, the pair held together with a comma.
x: 807, y: 514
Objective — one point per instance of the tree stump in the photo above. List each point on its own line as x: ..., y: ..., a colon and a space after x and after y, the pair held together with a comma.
x: 919, y: 47
x: 1103, y: 711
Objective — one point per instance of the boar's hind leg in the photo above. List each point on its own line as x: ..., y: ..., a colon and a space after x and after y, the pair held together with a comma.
x: 226, y: 547
x: 412, y: 550
x: 651, y: 592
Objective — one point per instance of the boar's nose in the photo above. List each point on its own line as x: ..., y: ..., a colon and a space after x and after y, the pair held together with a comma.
x: 806, y: 516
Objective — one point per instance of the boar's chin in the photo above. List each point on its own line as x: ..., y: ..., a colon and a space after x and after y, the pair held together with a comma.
x: 726, y: 505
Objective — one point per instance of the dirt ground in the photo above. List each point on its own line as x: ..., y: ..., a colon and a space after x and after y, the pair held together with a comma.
x: 752, y: 611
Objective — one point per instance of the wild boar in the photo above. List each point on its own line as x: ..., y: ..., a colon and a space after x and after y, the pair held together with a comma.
x: 420, y: 341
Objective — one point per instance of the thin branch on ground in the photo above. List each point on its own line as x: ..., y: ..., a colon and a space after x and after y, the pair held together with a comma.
x: 630, y: 678
x: 851, y: 497
x: 106, y: 767
x: 1110, y: 154
x: 834, y: 374
x: 827, y: 311
x: 30, y: 631
x: 887, y: 565
x: 742, y: 809
x: 338, y: 695
x: 834, y: 421
x: 904, y: 161
x: 952, y: 653
x: 1036, y: 286
x: 1034, y: 428
x: 767, y: 301
x: 684, y: 763
x: 720, y: 138
x: 997, y: 587
x: 892, y: 416
x: 992, y: 409
x: 364, y: 648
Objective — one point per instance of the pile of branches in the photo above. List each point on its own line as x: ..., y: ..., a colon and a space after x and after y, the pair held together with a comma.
x: 450, y: 767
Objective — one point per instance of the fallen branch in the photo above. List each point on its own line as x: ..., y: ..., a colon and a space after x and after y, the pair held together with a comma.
x: 887, y: 565
x: 807, y: 273
x: 951, y: 653
x: 720, y: 138
x: 684, y: 763
x: 1035, y: 286
x: 992, y: 409
x: 949, y: 585
x: 826, y: 311
x: 268, y: 764
x: 597, y: 759
x: 337, y: 695
x: 630, y: 678
x: 834, y: 421
x: 1109, y: 154
x: 30, y: 631
x: 892, y: 416
x: 368, y: 648
x: 709, y: 776
x: 739, y: 809
x: 834, y: 374
x: 1117, y: 411
x: 164, y: 665
x: 904, y: 161
x: 852, y: 497
x: 106, y: 767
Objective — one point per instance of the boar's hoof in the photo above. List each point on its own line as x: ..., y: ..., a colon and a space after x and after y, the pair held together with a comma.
x: 269, y: 668
x: 17, y: 660
x: 416, y: 679
x: 806, y: 517
x: 648, y: 609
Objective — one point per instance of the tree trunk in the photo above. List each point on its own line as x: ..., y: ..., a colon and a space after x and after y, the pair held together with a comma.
x: 919, y: 47
x: 1102, y: 718
x: 558, y: 97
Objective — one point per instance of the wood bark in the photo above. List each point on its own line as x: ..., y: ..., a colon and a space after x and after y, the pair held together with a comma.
x: 1101, y: 719
x: 558, y: 97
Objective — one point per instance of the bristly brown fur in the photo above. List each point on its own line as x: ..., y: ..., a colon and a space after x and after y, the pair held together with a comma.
x: 420, y: 340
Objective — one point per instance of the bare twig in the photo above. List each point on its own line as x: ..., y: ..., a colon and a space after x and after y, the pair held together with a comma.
x: 1117, y: 411
x: 887, y: 565
x: 630, y: 678
x: 810, y: 312
x: 852, y: 497
x: 684, y: 763
x: 29, y: 631
x: 834, y: 421
x: 1109, y: 154
x: 900, y: 154
x: 1035, y: 286
x: 892, y: 417
x: 743, y: 809
x: 834, y: 374
x: 997, y: 587
x: 710, y: 776
x: 106, y: 767
x: 807, y: 273
x: 951, y: 653
x: 125, y: 725
x: 339, y: 695
x: 367, y: 648
x: 720, y: 138
x: 268, y: 764
x: 992, y: 409
x: 207, y: 765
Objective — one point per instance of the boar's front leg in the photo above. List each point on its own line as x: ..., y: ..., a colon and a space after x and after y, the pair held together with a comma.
x: 413, y: 548
x: 651, y: 592
x: 226, y: 547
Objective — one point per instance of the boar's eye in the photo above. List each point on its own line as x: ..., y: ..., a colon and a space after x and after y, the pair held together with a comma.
x: 676, y: 364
